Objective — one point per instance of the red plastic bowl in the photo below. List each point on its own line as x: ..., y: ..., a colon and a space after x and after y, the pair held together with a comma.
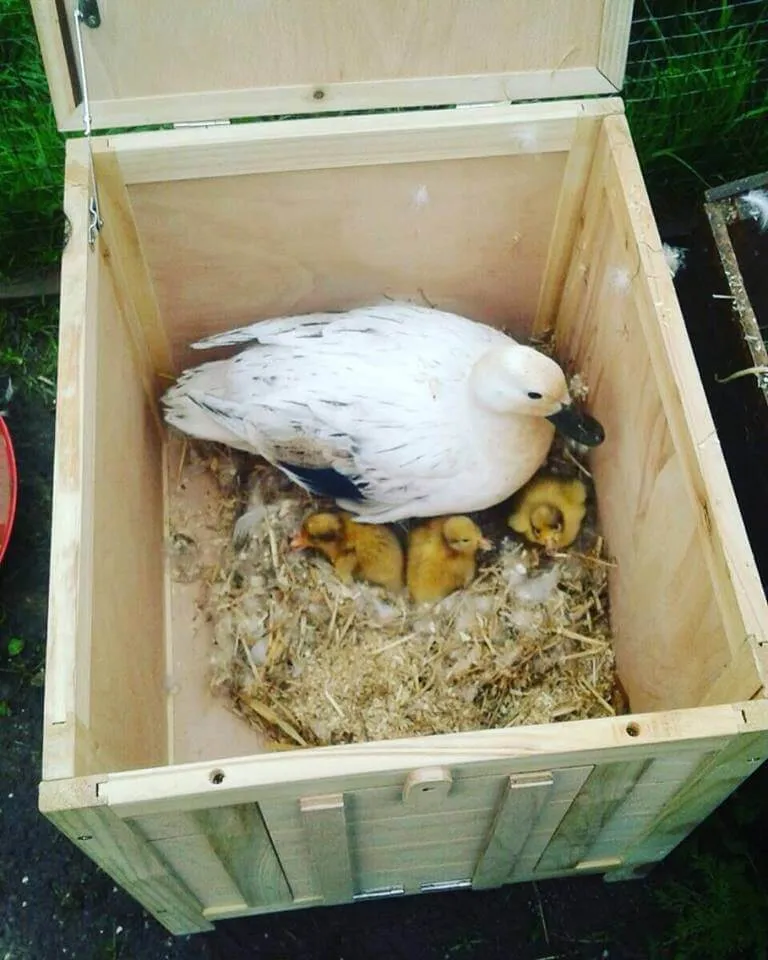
x: 8, y: 487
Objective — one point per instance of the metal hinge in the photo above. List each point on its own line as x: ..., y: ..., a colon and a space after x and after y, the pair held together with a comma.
x: 439, y: 886
x: 89, y: 13
x: 380, y: 893
x: 201, y: 123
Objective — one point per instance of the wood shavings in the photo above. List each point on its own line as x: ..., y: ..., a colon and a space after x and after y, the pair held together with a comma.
x: 307, y: 660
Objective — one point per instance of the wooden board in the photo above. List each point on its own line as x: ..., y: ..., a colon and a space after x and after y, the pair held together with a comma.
x: 106, y: 658
x: 71, y: 530
x: 276, y: 776
x: 239, y: 58
x: 683, y: 603
x: 202, y: 727
x: 76, y: 808
x: 395, y: 231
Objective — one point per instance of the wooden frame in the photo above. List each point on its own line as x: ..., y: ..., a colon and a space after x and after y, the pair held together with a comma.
x: 316, y: 56
x: 232, y: 829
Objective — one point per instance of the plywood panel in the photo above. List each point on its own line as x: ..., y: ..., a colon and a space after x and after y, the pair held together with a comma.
x: 126, y: 709
x: 671, y: 639
x: 298, y: 56
x: 471, y: 235
x: 202, y: 724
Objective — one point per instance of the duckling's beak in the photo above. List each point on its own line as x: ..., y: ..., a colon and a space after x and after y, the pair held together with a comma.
x: 578, y: 426
x: 550, y: 543
x: 485, y: 544
x: 300, y: 542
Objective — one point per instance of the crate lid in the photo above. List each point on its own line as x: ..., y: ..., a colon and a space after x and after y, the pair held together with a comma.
x: 150, y: 62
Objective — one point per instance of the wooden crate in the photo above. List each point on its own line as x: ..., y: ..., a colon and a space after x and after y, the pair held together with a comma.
x: 529, y: 211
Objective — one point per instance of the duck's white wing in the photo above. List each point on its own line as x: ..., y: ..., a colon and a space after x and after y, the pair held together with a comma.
x: 370, y: 406
x: 390, y: 319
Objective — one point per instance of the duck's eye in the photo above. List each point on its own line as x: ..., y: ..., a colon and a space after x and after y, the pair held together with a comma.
x: 534, y: 395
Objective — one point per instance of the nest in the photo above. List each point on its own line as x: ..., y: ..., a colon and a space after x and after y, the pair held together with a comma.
x: 309, y: 661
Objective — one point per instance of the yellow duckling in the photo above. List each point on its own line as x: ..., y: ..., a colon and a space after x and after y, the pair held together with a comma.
x: 549, y: 510
x: 441, y: 557
x: 357, y: 551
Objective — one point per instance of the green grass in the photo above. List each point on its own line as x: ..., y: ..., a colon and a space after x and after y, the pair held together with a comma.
x: 31, y: 150
x: 28, y: 347
x: 697, y: 92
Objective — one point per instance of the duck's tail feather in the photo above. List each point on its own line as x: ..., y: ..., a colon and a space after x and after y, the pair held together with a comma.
x: 191, y: 405
x: 324, y: 482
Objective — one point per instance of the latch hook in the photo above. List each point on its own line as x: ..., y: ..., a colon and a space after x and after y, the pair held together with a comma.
x: 88, y: 9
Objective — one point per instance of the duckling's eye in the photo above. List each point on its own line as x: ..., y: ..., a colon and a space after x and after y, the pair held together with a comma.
x: 534, y: 395
x: 327, y: 535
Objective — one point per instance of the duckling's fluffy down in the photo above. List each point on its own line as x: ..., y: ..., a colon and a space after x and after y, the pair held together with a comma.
x: 309, y: 660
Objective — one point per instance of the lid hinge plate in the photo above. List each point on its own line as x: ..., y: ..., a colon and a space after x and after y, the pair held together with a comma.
x: 89, y: 13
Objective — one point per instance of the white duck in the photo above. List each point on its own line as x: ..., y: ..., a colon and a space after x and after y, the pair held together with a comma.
x: 395, y: 410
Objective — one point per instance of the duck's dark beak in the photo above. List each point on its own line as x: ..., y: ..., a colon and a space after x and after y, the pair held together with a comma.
x: 578, y: 426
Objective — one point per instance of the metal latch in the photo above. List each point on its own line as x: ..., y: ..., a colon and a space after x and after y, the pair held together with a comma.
x: 88, y: 11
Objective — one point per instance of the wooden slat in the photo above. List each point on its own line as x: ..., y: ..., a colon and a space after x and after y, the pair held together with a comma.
x: 76, y: 809
x: 603, y: 793
x: 241, y: 842
x: 121, y: 245
x: 701, y: 794
x: 732, y: 570
x: 515, y: 818
x: 274, y: 777
x: 281, y: 57
x: 194, y: 860
x: 326, y: 828
x: 50, y: 33
x: 290, y: 842
x: 565, y: 230
x: 496, y: 130
x: 69, y: 598
x: 105, y: 625
x: 643, y: 471
x: 568, y: 782
x: 377, y: 866
x: 614, y: 40
x: 642, y: 805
